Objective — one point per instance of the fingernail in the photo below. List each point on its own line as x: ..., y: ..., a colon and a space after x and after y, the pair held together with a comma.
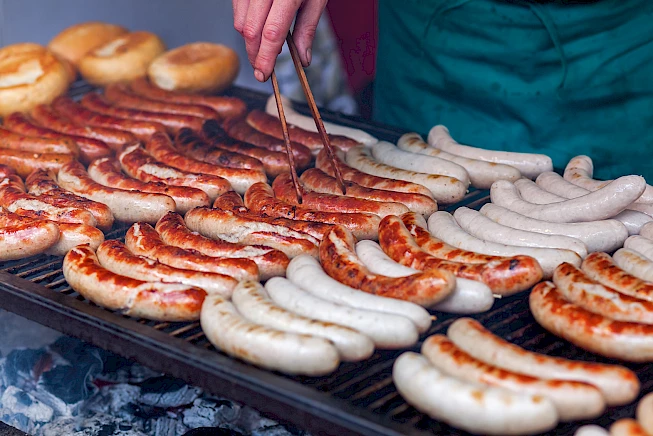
x: 259, y: 75
x: 309, y: 53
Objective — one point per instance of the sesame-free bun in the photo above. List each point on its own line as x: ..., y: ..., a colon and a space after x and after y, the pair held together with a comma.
x: 201, y: 67
x: 122, y: 59
x: 76, y: 41
x: 29, y: 75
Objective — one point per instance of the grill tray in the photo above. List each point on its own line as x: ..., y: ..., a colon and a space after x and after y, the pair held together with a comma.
x: 359, y: 398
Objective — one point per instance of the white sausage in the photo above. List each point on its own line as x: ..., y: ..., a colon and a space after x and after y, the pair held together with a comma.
x: 468, y: 296
x: 444, y: 189
x: 580, y: 170
x: 647, y: 231
x: 388, y: 154
x: 443, y: 226
x: 481, y: 173
x: 305, y: 271
x: 253, y: 302
x: 634, y: 263
x: 469, y: 407
x: 307, y: 123
x: 573, y: 400
x: 529, y: 164
x: 388, y: 331
x: 477, y: 224
x: 605, y: 235
x: 596, y: 205
x: 560, y: 189
x: 591, y: 430
x: 618, y: 384
x: 272, y: 349
x: 644, y: 413
x: 640, y: 244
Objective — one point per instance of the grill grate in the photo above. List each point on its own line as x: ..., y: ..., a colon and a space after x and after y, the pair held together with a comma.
x: 357, y: 398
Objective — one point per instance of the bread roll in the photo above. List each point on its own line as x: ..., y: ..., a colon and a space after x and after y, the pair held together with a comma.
x: 122, y: 59
x: 76, y: 41
x: 201, y: 67
x: 29, y: 75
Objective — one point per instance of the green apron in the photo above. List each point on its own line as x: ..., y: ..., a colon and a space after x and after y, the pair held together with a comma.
x: 523, y: 76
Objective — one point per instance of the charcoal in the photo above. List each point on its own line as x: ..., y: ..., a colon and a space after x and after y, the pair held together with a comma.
x: 114, y: 400
x: 167, y: 392
x: 164, y: 426
x: 17, y: 401
x: 97, y: 425
x: 71, y: 384
x: 120, y: 370
x: 17, y: 369
x: 209, y: 413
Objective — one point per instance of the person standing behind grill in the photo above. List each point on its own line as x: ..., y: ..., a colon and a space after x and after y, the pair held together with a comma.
x: 557, y: 77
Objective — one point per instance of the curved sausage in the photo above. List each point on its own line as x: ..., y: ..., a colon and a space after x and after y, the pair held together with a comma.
x: 269, y: 348
x: 238, y: 128
x: 230, y: 226
x: 173, y: 122
x: 173, y: 231
x: 284, y: 190
x: 274, y: 162
x: 530, y: 165
x: 634, y: 263
x: 106, y: 171
x: 72, y: 235
x: 89, y: 149
x: 226, y: 107
x: 495, y: 411
x: 596, y: 333
x: 576, y: 287
x: 444, y: 227
x: 85, y: 117
x: 504, y: 276
x: 10, y: 140
x: 143, y: 240
x: 477, y: 224
x: 640, y: 244
x: 444, y: 189
x: 114, y: 256
x: 618, y: 384
x: 573, y: 400
x: 253, y: 302
x: 230, y: 201
x: 6, y: 171
x: 48, y: 117
x: 481, y: 173
x: 260, y: 199
x: 137, y: 163
x: 594, y: 206
x: 160, y: 147
x: 126, y: 206
x: 307, y: 273
x: 157, y: 301
x: 317, y: 180
x: 338, y: 257
x: 605, y: 235
x: 627, y: 427
x: 120, y: 95
x: 24, y: 162
x: 24, y: 237
x: 388, y: 331
x: 643, y: 413
x: 192, y: 142
x: 270, y: 125
x: 601, y: 267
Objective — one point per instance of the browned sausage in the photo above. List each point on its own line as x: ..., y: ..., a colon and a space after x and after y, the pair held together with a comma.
x: 16, y: 141
x: 190, y: 141
x: 22, y: 237
x: 601, y: 267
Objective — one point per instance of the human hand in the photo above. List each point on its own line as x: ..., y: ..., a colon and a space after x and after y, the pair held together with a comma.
x: 265, y: 24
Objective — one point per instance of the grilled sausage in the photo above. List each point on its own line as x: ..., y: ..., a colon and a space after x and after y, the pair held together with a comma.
x: 137, y: 163
x: 114, y: 256
x: 601, y: 267
x: 158, y: 301
x: 106, y: 171
x: 496, y: 411
x: 89, y: 149
x: 529, y: 164
x: 10, y: 140
x: 260, y: 199
x: 173, y: 231
x: 596, y: 333
x: 192, y: 143
x: 126, y: 206
x: 284, y: 190
x: 634, y: 263
x: 120, y: 95
x: 53, y: 119
x: 143, y: 240
x: 24, y: 162
x: 172, y: 122
x: 22, y: 237
x: 226, y: 107
x: 618, y: 384
x: 72, y: 235
x: 338, y: 257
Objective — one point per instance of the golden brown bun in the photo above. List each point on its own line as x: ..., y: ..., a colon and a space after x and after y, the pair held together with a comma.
x: 29, y: 75
x: 201, y: 67
x: 122, y: 59
x: 76, y: 41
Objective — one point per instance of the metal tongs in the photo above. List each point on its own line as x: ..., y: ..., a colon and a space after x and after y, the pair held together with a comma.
x: 316, y: 117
